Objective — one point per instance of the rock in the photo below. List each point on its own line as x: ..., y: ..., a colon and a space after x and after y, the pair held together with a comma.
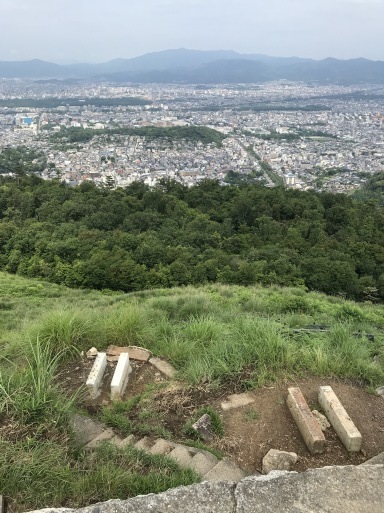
x: 207, y: 497
x: 237, y: 401
x: 134, y: 352
x: 324, y: 490
x: 322, y: 419
x: 203, y: 427
x: 164, y: 367
x: 376, y: 460
x: 380, y: 391
x: 92, y: 353
x: 278, y: 460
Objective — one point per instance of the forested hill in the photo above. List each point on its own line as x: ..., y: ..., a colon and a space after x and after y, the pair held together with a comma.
x: 137, y: 238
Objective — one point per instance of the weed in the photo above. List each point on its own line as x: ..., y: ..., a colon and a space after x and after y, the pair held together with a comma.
x: 251, y: 415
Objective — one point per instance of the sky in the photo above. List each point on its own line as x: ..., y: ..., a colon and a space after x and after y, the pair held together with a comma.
x: 66, y: 31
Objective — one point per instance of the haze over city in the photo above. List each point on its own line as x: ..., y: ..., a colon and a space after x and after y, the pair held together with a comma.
x: 67, y: 31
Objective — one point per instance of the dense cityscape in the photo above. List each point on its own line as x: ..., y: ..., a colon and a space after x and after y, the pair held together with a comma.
x: 324, y: 137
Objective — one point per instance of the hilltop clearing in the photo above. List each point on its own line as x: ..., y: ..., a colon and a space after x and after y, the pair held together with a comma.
x: 221, y: 340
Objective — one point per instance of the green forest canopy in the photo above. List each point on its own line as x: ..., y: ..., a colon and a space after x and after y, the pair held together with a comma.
x: 139, y: 238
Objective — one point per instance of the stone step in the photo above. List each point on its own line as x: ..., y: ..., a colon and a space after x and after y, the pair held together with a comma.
x: 116, y: 440
x: 85, y: 429
x: 202, y: 463
x: 144, y: 444
x: 162, y: 446
x: 105, y: 436
x: 181, y: 455
x: 129, y: 440
x: 225, y: 470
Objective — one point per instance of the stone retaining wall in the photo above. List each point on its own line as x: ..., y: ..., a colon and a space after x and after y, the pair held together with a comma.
x: 332, y: 489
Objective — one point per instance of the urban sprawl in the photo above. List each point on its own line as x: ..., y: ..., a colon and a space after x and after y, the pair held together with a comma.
x: 325, y: 137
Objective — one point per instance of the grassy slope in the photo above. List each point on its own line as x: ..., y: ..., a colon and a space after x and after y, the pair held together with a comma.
x: 212, y: 334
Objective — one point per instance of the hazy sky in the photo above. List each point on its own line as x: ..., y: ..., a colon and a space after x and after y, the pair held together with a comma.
x: 99, y: 30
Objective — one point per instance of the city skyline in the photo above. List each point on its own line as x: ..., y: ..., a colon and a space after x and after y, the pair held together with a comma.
x: 85, y: 31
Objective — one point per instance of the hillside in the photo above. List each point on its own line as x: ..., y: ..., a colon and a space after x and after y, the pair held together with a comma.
x: 221, y: 340
x: 143, y: 238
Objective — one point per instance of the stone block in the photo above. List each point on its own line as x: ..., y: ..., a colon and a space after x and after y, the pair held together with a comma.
x: 96, y: 375
x: 164, y: 367
x: 120, y: 377
x: 308, y: 425
x: 339, y: 419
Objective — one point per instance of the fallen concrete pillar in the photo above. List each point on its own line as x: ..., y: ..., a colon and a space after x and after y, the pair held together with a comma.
x: 308, y: 425
x: 120, y: 377
x: 339, y: 419
x: 96, y: 374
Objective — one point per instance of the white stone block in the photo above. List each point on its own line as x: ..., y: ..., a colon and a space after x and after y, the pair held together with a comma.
x: 96, y: 375
x: 339, y: 419
x: 120, y: 377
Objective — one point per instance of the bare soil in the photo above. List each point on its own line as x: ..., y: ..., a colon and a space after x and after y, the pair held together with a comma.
x: 249, y: 431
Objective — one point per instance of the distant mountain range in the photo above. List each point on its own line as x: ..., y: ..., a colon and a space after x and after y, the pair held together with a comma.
x: 205, y: 67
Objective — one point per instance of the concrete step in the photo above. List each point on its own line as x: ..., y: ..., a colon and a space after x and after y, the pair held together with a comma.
x: 105, y: 436
x: 225, y: 470
x: 129, y: 440
x: 181, y: 455
x: 202, y: 463
x: 162, y: 446
x: 116, y: 440
x: 85, y: 429
x: 144, y: 444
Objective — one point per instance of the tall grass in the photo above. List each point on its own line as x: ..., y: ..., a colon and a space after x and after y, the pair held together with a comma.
x: 31, y: 394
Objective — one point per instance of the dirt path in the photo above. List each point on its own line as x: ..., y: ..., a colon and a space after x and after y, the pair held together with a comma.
x: 252, y: 430
x: 266, y: 424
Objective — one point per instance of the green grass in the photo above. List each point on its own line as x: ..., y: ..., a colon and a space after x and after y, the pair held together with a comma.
x: 213, y: 335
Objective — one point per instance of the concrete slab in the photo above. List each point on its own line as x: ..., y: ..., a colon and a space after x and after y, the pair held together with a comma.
x: 181, y: 456
x: 201, y: 463
x: 120, y: 377
x: 339, y: 419
x: 96, y: 375
x: 2, y: 506
x: 237, y: 401
x: 308, y: 425
x: 162, y: 446
x: 134, y: 352
x: 225, y: 470
x: 164, y: 367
